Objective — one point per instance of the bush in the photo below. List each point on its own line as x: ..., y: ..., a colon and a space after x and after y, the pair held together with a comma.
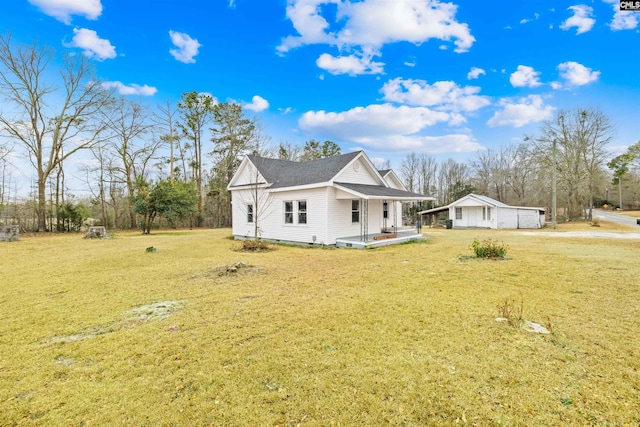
x: 489, y: 248
x: 254, y: 246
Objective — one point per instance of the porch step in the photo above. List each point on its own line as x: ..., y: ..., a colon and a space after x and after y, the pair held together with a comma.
x: 385, y: 236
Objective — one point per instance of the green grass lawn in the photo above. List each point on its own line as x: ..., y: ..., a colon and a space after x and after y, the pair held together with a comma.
x: 401, y: 335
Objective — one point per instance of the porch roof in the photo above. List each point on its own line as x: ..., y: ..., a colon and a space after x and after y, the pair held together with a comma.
x: 379, y: 192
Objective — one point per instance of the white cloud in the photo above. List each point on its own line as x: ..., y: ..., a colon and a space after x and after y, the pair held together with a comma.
x: 444, y: 95
x: 63, y: 9
x: 187, y: 47
x: 525, y: 76
x: 409, y: 64
x: 581, y: 19
x: 92, y: 45
x: 577, y: 74
x: 374, y: 22
x: 527, y: 20
x: 385, y: 126
x: 441, y: 144
x: 522, y: 111
x: 475, y: 73
x: 361, y: 28
x: 257, y: 104
x: 285, y: 110
x: 622, y: 19
x: 351, y: 65
x: 132, y: 89
x: 378, y: 119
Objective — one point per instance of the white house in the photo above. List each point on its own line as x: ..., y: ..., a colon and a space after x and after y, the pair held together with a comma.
x: 340, y: 200
x: 477, y: 211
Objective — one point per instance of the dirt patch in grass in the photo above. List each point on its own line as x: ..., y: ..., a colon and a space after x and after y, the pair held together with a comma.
x: 235, y: 269
x: 131, y: 318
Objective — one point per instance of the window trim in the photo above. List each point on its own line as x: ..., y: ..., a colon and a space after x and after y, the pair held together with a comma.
x: 302, y: 212
x: 290, y: 222
x: 250, y: 213
x: 458, y: 213
x: 355, y: 211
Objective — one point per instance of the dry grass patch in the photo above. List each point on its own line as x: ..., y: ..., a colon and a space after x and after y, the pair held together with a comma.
x: 401, y: 335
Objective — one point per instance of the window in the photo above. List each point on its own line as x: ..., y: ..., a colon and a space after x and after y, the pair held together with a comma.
x: 355, y: 211
x: 249, y: 213
x: 486, y: 213
x: 385, y: 210
x: 458, y: 213
x: 288, y: 212
x: 302, y: 212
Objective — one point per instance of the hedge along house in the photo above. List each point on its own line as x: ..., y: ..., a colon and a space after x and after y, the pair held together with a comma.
x: 475, y: 211
x: 340, y: 200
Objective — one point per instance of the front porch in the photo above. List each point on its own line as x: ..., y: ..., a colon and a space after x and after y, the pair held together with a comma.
x: 379, y: 239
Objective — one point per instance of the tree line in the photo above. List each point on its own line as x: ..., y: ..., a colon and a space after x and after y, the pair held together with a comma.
x: 174, y: 162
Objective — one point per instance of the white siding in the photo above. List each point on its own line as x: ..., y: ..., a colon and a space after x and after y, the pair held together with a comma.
x: 361, y: 176
x: 247, y: 175
x: 519, y: 218
x: 507, y: 218
x: 339, y: 218
x: 271, y: 218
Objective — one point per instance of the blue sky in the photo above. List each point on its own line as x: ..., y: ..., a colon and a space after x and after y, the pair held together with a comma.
x: 388, y: 76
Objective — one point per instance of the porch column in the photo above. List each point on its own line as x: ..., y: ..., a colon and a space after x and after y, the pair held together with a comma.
x: 395, y: 217
x: 364, y: 220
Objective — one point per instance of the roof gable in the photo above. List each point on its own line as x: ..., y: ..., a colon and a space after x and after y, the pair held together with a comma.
x: 246, y: 174
x: 392, y: 179
x: 286, y: 173
x: 475, y: 200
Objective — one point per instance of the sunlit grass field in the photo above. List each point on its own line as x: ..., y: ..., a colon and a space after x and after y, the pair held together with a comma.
x: 402, y: 335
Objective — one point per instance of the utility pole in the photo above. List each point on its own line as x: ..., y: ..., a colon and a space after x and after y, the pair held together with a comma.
x: 554, y: 187
x: 620, y: 190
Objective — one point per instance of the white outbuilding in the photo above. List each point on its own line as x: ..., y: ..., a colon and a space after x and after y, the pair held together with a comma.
x: 475, y: 211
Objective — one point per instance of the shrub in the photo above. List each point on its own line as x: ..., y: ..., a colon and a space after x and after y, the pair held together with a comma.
x: 489, y: 248
x: 254, y: 246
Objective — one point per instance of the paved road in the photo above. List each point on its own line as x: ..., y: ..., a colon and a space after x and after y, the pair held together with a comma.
x: 614, y: 217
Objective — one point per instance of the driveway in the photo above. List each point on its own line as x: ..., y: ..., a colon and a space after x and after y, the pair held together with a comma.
x: 613, y: 217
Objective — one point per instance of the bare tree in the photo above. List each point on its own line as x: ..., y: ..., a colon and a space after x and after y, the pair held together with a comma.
x: 50, y: 130
x: 409, y: 171
x: 4, y: 170
x: 289, y: 151
x: 453, y: 181
x: 128, y: 125
x: 165, y: 118
x: 579, y: 138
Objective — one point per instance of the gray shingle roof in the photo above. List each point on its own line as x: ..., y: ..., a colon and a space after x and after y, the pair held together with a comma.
x: 286, y: 173
x: 380, y: 191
